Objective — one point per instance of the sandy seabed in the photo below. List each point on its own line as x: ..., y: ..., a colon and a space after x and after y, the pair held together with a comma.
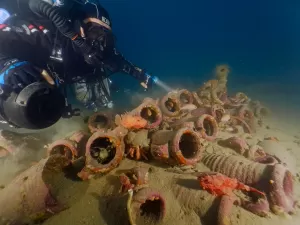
x: 101, y: 203
x: 186, y: 203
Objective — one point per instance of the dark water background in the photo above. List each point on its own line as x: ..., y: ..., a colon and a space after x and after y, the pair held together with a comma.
x: 182, y: 41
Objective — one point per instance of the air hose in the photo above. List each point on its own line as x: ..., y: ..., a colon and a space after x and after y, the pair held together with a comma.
x: 53, y: 13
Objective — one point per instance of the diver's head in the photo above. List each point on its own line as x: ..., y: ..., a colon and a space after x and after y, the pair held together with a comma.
x: 37, y: 106
x: 92, y: 21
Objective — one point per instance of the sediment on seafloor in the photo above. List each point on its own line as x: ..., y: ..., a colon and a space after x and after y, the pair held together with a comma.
x: 38, y: 193
x: 189, y: 157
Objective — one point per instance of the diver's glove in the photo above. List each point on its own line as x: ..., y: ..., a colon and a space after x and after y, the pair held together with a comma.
x: 146, y: 80
x: 16, y: 75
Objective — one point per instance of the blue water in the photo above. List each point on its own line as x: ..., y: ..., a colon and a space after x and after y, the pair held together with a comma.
x: 182, y: 41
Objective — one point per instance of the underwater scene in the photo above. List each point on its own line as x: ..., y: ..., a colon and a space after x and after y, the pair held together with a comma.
x: 126, y: 112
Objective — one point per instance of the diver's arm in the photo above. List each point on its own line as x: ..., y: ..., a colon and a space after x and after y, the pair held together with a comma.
x: 118, y: 63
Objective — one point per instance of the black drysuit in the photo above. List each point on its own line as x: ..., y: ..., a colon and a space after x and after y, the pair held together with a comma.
x: 27, y: 37
x: 34, y: 39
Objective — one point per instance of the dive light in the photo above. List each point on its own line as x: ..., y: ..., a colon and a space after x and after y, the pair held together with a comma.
x: 154, y: 79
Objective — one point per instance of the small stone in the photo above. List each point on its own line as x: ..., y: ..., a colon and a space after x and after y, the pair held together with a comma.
x: 225, y: 118
x: 229, y: 129
x: 186, y: 167
x: 151, y: 169
x: 188, y: 171
x: 267, y: 127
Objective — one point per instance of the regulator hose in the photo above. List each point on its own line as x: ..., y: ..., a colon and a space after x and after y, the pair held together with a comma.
x: 53, y: 13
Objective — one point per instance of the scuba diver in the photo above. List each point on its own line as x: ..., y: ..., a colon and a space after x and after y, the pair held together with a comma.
x: 46, y: 46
